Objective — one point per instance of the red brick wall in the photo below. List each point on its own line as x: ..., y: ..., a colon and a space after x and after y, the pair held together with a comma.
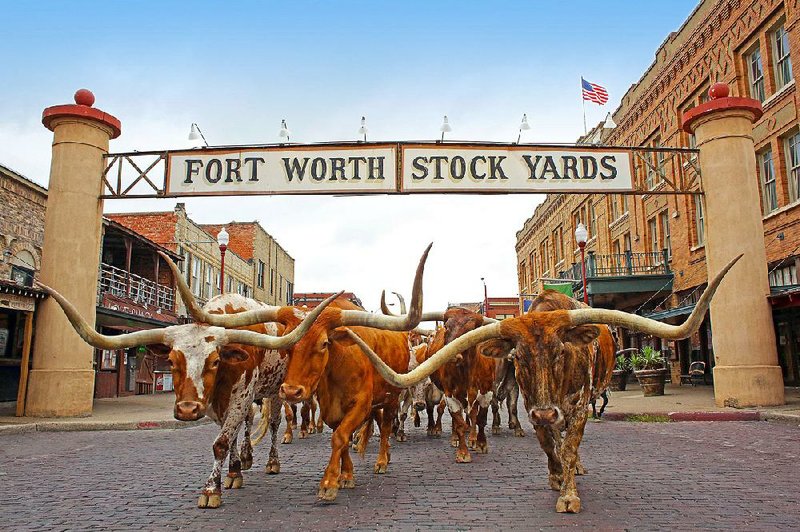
x: 242, y: 236
x: 158, y: 226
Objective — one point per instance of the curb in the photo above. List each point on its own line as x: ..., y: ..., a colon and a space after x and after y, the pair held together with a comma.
x: 56, y: 426
x: 747, y: 415
x: 778, y: 417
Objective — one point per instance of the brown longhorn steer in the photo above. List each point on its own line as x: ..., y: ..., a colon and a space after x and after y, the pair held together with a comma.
x: 554, y: 371
x: 217, y: 372
x: 467, y: 382
x: 349, y: 390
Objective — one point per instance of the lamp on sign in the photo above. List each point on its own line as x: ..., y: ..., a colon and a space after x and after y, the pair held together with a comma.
x: 524, y: 126
x: 445, y: 128
x: 363, y: 129
x: 196, y: 135
x: 284, y: 132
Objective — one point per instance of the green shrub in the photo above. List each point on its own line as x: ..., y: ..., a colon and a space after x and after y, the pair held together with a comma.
x: 622, y: 363
x: 648, y: 358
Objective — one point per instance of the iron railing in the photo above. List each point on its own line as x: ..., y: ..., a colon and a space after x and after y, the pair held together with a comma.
x: 621, y: 264
x: 122, y: 283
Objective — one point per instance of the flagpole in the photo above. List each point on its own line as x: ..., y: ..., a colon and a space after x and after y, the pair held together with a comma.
x: 583, y: 101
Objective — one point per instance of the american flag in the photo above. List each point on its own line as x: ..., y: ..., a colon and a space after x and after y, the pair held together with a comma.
x: 594, y: 92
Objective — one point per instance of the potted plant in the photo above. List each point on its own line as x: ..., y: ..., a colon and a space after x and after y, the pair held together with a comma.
x: 648, y: 366
x: 619, y: 376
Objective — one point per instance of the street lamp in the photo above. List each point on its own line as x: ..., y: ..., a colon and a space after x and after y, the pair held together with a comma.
x: 581, y: 235
x: 485, y: 299
x: 222, y: 239
x: 445, y: 127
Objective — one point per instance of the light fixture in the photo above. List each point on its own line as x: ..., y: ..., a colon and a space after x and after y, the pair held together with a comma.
x: 445, y: 127
x: 284, y: 132
x: 195, y: 134
x: 581, y: 236
x: 363, y: 129
x: 523, y: 126
x: 609, y: 123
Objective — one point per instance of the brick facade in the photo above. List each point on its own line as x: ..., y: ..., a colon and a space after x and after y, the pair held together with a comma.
x: 273, y: 267
x: 717, y: 42
x: 21, y: 223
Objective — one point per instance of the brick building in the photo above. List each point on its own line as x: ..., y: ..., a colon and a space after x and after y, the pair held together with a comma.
x: 199, y: 249
x: 498, y: 308
x: 646, y: 253
x: 273, y: 267
x: 312, y: 299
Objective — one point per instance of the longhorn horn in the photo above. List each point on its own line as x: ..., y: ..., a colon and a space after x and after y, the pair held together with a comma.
x: 402, y: 301
x: 240, y: 319
x: 280, y: 342
x: 438, y: 359
x: 101, y: 341
x: 439, y: 316
x: 646, y: 325
x: 393, y: 323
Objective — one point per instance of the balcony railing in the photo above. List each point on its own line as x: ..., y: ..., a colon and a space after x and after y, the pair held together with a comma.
x: 121, y: 283
x: 621, y: 264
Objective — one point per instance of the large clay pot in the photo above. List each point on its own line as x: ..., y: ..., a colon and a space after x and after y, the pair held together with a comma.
x: 652, y: 381
x: 619, y: 380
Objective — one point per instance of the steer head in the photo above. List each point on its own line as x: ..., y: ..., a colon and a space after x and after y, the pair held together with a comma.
x: 309, y: 357
x: 548, y: 346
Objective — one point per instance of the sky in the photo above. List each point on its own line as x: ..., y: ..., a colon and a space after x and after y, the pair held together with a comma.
x: 237, y: 69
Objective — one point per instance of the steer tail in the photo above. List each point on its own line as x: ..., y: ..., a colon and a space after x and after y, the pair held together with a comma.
x: 263, y: 424
x: 363, y: 435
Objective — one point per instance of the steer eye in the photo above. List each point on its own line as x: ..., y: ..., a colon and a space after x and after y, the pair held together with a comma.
x: 215, y: 364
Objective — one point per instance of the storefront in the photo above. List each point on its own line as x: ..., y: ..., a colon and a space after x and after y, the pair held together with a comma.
x: 786, y: 315
x: 17, y: 307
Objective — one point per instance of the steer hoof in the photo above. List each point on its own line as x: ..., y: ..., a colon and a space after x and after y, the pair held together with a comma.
x: 482, y: 447
x: 463, y: 457
x: 554, y: 482
x: 303, y: 434
x: 380, y: 468
x: 247, y: 462
x: 347, y: 483
x: 287, y: 438
x: 568, y: 504
x: 209, y: 500
x: 454, y: 442
x: 328, y: 494
x: 579, y: 469
x: 233, y: 481
x: 273, y: 467
x: 401, y: 436
x: 519, y: 433
x: 496, y: 430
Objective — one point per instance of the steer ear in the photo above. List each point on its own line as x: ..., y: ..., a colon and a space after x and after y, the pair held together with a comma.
x: 233, y: 355
x: 340, y: 335
x: 582, y: 334
x: 497, y: 348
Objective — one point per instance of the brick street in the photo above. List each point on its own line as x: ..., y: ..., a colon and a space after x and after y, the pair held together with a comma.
x: 724, y: 475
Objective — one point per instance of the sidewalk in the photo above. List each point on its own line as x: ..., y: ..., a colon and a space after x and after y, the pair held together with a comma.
x: 694, y: 403
x: 679, y: 403
x: 121, y: 413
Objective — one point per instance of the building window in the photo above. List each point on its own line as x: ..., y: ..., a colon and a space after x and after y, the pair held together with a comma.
x: 654, y: 167
x: 558, y: 245
x: 652, y: 229
x: 614, y: 207
x: 785, y: 276
x: 22, y: 276
x: 793, y: 166
x: 699, y: 219
x: 664, y: 219
x: 260, y: 274
x: 626, y: 242
x: 755, y: 76
x: 209, y: 282
x: 592, y: 220
x: 781, y: 57
x: 769, y: 193
x: 228, y: 284
x: 197, y: 287
x: 271, y: 281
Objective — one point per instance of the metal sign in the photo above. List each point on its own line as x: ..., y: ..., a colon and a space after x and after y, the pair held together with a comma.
x: 399, y: 168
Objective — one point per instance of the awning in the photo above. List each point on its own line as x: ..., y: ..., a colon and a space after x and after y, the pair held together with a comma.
x: 671, y: 313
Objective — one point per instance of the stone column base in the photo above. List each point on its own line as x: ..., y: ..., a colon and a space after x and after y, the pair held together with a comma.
x: 60, y: 393
x: 747, y: 386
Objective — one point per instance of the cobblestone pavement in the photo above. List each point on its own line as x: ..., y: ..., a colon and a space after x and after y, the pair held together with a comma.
x: 724, y: 475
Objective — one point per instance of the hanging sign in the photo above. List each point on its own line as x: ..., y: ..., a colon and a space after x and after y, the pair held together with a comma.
x: 404, y: 168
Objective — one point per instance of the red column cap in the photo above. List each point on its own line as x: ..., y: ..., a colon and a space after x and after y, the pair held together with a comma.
x: 720, y: 101
x: 82, y: 108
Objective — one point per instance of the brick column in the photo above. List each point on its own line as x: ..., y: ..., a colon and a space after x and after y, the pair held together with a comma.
x: 61, y: 382
x: 746, y: 371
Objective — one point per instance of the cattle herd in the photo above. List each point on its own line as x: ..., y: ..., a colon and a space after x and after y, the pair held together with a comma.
x: 364, y: 368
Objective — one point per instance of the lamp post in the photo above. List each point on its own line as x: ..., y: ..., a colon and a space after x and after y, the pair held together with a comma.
x: 222, y: 239
x: 581, y: 235
x: 485, y: 299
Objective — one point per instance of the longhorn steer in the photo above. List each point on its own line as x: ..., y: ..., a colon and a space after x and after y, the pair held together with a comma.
x: 217, y: 372
x: 348, y: 389
x: 506, y: 390
x: 555, y: 371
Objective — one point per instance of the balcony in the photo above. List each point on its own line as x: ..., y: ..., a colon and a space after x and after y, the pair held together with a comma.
x: 134, y: 288
x: 622, y: 273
